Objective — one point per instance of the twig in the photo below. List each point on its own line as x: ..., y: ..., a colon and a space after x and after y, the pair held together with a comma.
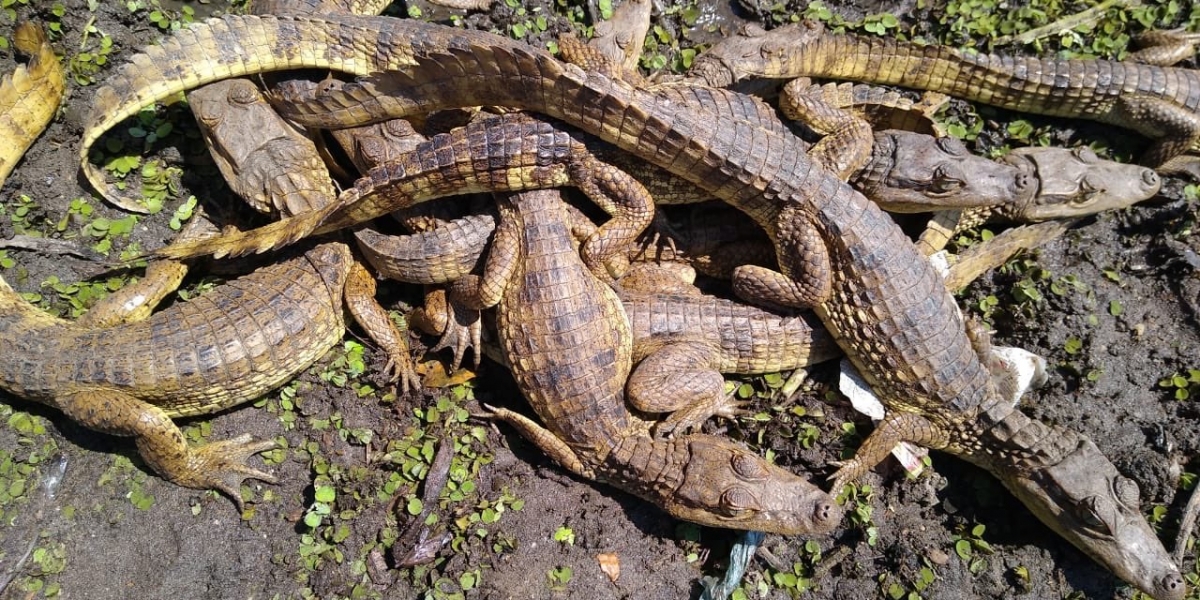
x: 1086, y: 17
x: 1186, y: 524
x: 48, y: 246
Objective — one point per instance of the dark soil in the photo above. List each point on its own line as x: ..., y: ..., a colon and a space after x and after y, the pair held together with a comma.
x: 1123, y: 285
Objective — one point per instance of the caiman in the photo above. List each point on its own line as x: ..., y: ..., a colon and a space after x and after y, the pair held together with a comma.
x: 838, y: 252
x: 226, y: 347
x: 1158, y: 101
x: 567, y: 341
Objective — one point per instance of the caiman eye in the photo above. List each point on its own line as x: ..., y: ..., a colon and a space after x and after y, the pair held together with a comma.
x: 736, y: 502
x: 1127, y: 493
x: 243, y: 94
x: 1087, y: 194
x: 946, y: 181
x: 1086, y: 155
x: 748, y: 467
x: 952, y: 146
x: 1095, y: 513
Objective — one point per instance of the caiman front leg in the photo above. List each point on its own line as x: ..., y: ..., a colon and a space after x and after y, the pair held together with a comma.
x: 1164, y: 47
x: 895, y: 427
x: 217, y: 465
x: 136, y: 301
x: 541, y: 437
x: 806, y: 279
x: 359, y: 297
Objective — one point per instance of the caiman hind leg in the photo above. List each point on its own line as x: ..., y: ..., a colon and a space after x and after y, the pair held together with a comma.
x: 455, y: 312
x: 806, y: 277
x: 679, y: 379
x: 217, y: 465
x: 845, y: 146
x: 895, y: 427
x: 459, y: 328
x: 628, y: 203
x: 1175, y: 129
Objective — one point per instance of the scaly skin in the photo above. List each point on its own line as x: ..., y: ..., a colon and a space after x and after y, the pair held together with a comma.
x: 838, y: 252
x: 228, y: 346
x: 1162, y: 103
x: 29, y: 96
x: 884, y: 108
x: 568, y: 344
x: 621, y: 38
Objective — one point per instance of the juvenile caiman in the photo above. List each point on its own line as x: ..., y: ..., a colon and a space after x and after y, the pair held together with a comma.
x: 227, y: 346
x: 839, y: 252
x: 567, y: 341
x: 1158, y: 101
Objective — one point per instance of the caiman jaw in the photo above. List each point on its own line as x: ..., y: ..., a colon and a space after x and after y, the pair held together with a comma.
x: 726, y: 485
x: 1084, y: 499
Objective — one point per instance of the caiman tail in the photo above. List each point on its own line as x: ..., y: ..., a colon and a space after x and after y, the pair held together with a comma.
x: 29, y: 96
x: 1160, y: 102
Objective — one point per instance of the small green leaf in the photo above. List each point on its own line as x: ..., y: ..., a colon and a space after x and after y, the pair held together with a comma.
x: 415, y: 506
x: 963, y: 549
x: 325, y: 494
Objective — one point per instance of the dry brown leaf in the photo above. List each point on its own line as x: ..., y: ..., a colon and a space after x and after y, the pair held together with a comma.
x: 610, y: 564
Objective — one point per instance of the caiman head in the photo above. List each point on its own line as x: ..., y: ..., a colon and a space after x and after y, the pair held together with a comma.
x: 753, y: 51
x: 913, y: 172
x: 1075, y: 183
x: 1084, y: 499
x: 724, y: 484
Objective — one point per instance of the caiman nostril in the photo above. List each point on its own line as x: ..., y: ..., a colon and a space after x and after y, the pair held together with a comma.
x: 1150, y: 178
x: 827, y: 512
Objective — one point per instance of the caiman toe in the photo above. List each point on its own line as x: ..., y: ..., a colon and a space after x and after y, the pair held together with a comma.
x: 222, y: 466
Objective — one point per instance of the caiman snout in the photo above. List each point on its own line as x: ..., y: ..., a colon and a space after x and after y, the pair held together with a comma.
x: 1151, y: 181
x: 1023, y: 182
x: 826, y: 514
x: 1171, y: 587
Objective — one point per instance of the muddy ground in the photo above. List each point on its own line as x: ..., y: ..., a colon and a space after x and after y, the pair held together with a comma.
x: 1112, y: 307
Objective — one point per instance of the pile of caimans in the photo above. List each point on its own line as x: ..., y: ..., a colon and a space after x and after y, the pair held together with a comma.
x: 588, y: 294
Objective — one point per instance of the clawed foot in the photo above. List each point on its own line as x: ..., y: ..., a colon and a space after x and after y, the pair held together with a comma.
x: 463, y: 332
x: 222, y: 465
x: 488, y: 413
x: 689, y: 419
x: 401, y: 371
x: 847, y: 472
